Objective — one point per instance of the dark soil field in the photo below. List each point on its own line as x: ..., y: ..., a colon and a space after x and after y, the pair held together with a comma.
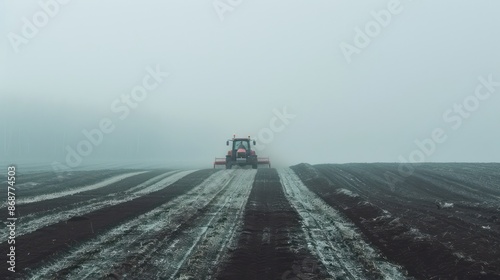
x: 442, y: 222
x: 332, y: 221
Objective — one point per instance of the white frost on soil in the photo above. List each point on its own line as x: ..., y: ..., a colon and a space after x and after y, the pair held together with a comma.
x: 27, y: 185
x: 418, y: 235
x: 447, y: 205
x: 38, y: 220
x: 347, y: 192
x: 137, y: 237
x: 78, y: 189
x: 333, y: 239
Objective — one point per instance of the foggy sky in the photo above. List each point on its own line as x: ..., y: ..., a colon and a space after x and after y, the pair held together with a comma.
x: 232, y: 76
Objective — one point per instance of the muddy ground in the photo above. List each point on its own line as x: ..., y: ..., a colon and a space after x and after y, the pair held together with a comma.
x: 349, y: 221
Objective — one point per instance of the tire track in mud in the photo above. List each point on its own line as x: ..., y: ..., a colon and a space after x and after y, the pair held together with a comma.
x: 184, y: 236
x: 46, y: 243
x: 271, y: 244
x: 38, y: 220
x: 333, y: 239
x: 193, y: 251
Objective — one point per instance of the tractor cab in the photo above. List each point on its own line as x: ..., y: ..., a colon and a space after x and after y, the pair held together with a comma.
x: 241, y: 154
x: 240, y: 145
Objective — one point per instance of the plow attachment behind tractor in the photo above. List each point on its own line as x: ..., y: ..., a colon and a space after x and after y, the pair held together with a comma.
x: 260, y: 160
x: 264, y: 160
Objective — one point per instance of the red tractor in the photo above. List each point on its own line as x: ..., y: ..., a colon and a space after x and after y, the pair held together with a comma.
x: 241, y: 154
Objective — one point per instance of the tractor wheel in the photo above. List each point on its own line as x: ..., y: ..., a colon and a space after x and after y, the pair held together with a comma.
x: 228, y: 166
x: 254, y: 166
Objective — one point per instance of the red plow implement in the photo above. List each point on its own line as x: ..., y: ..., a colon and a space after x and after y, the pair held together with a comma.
x: 263, y: 160
x: 219, y: 161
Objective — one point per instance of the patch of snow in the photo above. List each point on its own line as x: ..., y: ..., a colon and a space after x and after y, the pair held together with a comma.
x: 447, y: 205
x: 38, y: 220
x: 333, y: 239
x: 137, y: 236
x: 79, y: 189
x: 347, y: 192
x: 417, y: 234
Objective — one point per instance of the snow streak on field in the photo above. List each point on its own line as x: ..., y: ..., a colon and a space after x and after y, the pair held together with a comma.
x: 159, y: 244
x: 76, y: 190
x: 41, y: 219
x: 442, y: 222
x: 335, y: 221
x: 332, y: 238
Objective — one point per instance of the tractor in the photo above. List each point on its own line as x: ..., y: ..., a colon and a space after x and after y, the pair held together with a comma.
x: 241, y: 154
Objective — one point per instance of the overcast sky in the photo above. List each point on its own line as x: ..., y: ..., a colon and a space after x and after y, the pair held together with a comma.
x: 311, y: 81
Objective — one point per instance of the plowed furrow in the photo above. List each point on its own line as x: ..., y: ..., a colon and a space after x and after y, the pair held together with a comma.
x: 199, y: 244
x: 334, y: 239
x: 109, y: 186
x: 47, y: 242
x: 38, y: 220
x: 412, y: 228
x: 185, y: 236
x: 271, y: 244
